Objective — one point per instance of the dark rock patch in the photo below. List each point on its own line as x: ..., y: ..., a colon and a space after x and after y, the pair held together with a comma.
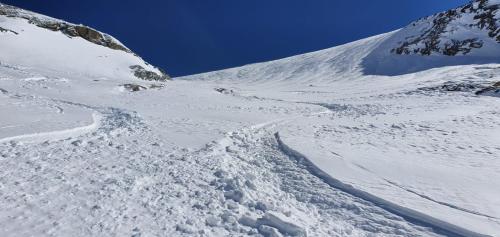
x: 144, y: 74
x: 451, y: 86
x: 134, y: 87
x: 224, y: 90
x: 429, y: 41
x: 8, y: 31
x: 68, y: 29
x: 493, y: 90
x: 464, y: 86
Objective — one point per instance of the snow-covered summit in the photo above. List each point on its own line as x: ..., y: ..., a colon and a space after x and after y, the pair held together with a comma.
x: 34, y: 40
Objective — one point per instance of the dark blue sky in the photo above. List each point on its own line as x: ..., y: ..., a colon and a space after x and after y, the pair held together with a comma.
x: 191, y: 36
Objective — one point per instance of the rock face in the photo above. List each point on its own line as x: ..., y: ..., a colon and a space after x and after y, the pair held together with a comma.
x: 71, y: 30
x: 84, y: 32
x: 455, y: 32
x: 144, y: 74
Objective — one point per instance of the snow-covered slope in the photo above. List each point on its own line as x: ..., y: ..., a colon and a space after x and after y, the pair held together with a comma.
x: 40, y: 42
x: 355, y: 140
x: 462, y: 36
x: 418, y: 143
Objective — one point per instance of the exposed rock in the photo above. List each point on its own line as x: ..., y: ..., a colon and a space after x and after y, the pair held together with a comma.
x: 134, y: 87
x: 453, y: 86
x: 156, y: 86
x: 493, y: 90
x: 477, y: 88
x: 464, y: 46
x: 144, y: 74
x: 8, y: 31
x: 71, y: 30
x: 84, y: 32
x: 439, y: 38
x: 459, y: 87
x: 224, y: 90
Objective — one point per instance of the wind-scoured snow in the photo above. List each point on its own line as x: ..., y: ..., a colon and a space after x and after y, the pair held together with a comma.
x: 311, y: 145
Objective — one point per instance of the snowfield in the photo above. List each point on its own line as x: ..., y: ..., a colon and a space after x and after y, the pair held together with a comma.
x: 329, y: 143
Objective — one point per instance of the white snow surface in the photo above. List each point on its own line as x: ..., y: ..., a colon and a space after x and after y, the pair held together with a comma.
x: 311, y: 145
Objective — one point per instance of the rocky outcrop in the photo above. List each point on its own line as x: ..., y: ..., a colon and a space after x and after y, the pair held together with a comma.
x: 441, y: 33
x: 84, y: 32
x: 71, y: 30
x: 136, y: 87
x: 493, y: 90
x: 8, y: 31
x: 144, y: 74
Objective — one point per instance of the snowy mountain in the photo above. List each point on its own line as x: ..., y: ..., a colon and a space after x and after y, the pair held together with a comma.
x: 471, y: 29
x: 355, y: 140
x: 33, y: 40
x: 461, y: 36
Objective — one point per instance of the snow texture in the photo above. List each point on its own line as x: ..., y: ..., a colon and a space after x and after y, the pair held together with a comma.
x: 310, y: 145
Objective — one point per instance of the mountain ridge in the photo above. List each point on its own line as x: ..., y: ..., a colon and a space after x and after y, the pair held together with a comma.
x: 70, y: 30
x: 449, y: 33
x: 380, y: 52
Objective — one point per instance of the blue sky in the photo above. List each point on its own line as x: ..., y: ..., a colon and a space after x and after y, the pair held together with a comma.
x: 192, y: 36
